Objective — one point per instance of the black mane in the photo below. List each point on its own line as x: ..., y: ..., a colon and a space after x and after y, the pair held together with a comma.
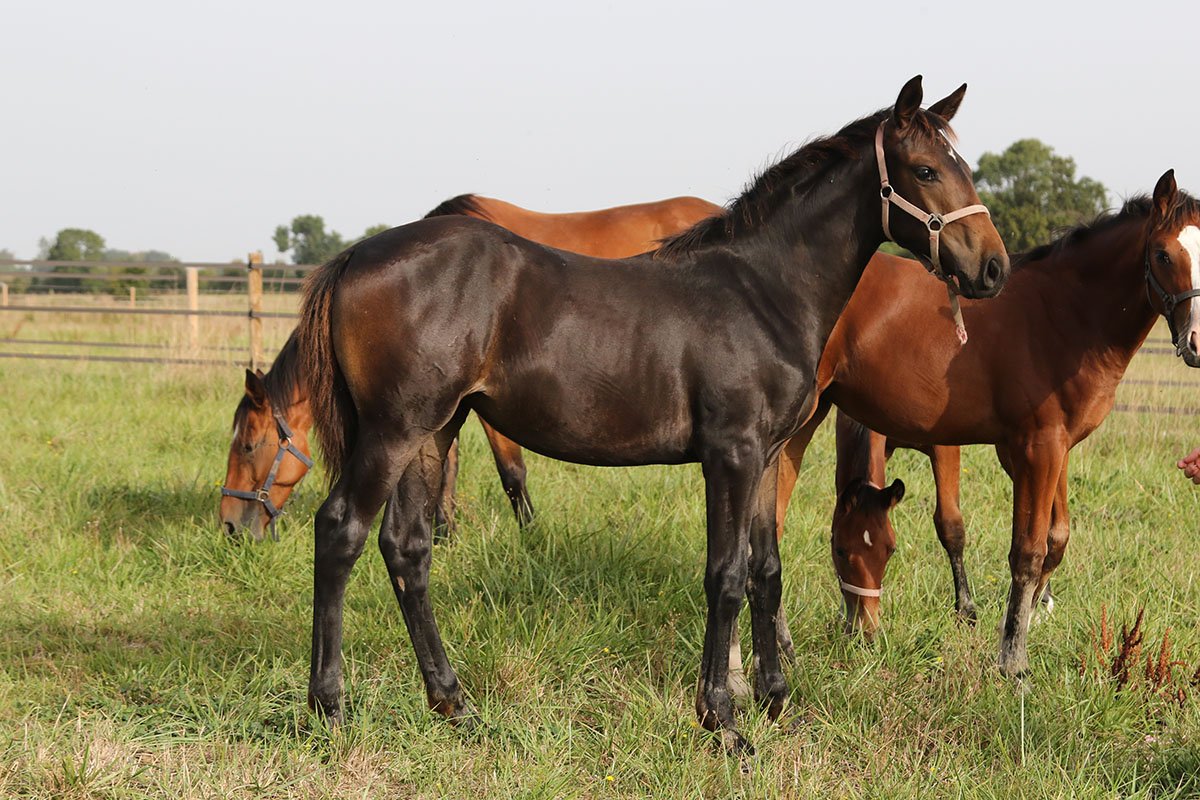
x: 463, y: 205
x: 1136, y: 207
x: 777, y: 183
x: 281, y: 381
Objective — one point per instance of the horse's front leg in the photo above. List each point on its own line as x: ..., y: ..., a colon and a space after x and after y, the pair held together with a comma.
x: 731, y: 478
x: 1035, y: 467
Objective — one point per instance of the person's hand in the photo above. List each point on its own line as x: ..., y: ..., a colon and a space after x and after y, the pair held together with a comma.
x: 1190, y: 464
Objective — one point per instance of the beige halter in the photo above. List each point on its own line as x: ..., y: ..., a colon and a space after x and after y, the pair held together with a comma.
x: 933, y: 222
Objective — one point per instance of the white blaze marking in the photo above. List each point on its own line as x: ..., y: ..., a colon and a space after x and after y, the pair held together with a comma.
x: 236, y: 428
x: 1189, y: 237
x: 867, y: 537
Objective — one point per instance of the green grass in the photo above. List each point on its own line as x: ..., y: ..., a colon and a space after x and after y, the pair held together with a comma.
x: 142, y: 654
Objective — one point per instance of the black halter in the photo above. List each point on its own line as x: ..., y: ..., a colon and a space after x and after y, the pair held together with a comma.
x: 1169, y: 302
x: 263, y: 495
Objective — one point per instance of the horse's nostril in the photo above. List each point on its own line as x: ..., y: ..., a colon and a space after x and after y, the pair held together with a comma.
x: 991, y: 272
x: 230, y: 530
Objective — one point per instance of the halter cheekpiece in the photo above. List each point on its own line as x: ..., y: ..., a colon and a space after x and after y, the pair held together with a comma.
x: 263, y: 494
x: 1169, y: 302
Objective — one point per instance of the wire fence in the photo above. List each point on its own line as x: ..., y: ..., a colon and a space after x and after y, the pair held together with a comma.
x: 211, y: 314
x: 51, y: 297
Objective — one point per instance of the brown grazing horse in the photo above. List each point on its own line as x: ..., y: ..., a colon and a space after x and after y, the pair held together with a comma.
x: 1037, y: 376
x: 705, y: 351
x: 274, y: 412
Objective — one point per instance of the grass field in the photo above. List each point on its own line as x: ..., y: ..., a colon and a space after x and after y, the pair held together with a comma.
x: 143, y: 654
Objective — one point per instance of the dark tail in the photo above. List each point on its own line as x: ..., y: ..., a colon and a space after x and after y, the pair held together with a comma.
x: 465, y: 205
x: 334, y: 415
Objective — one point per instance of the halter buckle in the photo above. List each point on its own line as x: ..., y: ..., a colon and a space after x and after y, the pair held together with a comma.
x: 262, y: 495
x: 935, y: 223
x: 886, y: 191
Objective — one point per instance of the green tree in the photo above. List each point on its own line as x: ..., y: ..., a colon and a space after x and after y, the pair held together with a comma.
x: 1031, y: 192
x: 308, y: 240
x: 310, y: 243
x: 75, y: 244
x: 122, y: 276
x: 71, y: 244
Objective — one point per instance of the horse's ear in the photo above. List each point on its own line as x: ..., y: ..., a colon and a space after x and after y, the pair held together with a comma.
x: 1165, y: 193
x: 849, y: 496
x: 256, y: 390
x: 907, y: 103
x: 894, y: 493
x: 947, y: 107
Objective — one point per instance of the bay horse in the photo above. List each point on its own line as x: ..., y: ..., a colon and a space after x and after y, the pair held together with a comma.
x: 1037, y: 376
x: 705, y: 351
x: 273, y: 417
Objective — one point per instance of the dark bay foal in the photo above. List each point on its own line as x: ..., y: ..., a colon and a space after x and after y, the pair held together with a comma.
x: 705, y: 351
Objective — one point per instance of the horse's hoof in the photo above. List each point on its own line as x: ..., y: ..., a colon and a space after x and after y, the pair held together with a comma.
x: 735, y: 744
x: 1014, y: 667
x: 967, y: 615
x: 465, y: 719
x: 329, y: 713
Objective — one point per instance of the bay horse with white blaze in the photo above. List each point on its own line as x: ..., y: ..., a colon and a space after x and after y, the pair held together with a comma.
x: 705, y: 351
x: 1038, y: 375
x: 269, y: 453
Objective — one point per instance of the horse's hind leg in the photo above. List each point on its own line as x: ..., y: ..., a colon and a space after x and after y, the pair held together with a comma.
x: 340, y: 530
x: 1056, y: 544
x: 511, y: 466
x: 443, y: 515
x: 948, y: 522
x: 405, y: 541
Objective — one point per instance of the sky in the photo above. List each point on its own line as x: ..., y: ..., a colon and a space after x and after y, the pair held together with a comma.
x: 197, y: 128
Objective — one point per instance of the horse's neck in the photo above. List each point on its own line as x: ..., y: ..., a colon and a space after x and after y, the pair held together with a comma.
x: 807, y: 258
x: 1110, y: 315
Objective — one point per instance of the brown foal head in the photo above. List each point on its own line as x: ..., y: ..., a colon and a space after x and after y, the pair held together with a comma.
x: 862, y: 541
x: 934, y: 210
x: 1173, y: 264
x: 257, y: 443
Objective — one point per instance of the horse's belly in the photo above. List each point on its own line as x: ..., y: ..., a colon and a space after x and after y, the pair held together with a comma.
x: 599, y: 427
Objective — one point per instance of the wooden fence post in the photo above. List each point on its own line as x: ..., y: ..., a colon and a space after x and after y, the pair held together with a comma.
x: 3, y: 293
x: 133, y: 297
x: 254, y: 285
x: 193, y: 293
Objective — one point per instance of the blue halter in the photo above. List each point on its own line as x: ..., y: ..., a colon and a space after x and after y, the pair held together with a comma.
x: 263, y: 495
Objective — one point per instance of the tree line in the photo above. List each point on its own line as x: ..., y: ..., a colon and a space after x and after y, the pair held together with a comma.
x: 1031, y: 191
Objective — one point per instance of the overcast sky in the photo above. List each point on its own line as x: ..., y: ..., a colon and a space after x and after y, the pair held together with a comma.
x: 197, y: 128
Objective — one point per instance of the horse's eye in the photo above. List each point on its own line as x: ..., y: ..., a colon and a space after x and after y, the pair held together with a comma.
x: 925, y: 173
x: 840, y: 552
x: 1163, y: 258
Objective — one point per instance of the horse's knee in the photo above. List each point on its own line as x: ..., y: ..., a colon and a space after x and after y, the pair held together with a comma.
x: 725, y: 588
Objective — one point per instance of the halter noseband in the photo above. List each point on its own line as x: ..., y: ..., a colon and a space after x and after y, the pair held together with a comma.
x: 858, y: 590
x: 1169, y: 303
x: 935, y: 223
x: 263, y: 495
